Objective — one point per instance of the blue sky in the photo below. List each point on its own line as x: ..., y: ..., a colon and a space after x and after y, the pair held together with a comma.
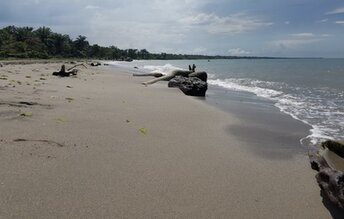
x: 302, y: 28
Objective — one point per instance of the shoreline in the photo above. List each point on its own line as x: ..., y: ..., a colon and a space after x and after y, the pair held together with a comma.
x: 103, y: 145
x: 262, y: 118
x: 245, y: 105
x: 286, y: 93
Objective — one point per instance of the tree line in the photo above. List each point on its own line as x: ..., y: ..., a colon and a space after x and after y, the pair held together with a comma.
x: 43, y: 43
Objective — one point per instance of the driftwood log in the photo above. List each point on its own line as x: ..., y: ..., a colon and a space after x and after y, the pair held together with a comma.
x: 70, y: 71
x: 64, y: 73
x: 94, y: 64
x: 191, y: 86
x: 191, y: 83
x: 157, y: 75
x: 330, y: 180
x: 200, y: 75
x: 335, y: 147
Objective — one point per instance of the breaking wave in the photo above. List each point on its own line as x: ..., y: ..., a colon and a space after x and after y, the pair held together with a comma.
x: 322, y: 109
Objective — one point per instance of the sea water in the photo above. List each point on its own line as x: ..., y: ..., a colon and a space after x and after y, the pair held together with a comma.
x: 309, y: 90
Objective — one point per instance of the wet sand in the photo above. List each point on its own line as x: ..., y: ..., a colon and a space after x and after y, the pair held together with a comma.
x: 269, y: 132
x: 101, y: 145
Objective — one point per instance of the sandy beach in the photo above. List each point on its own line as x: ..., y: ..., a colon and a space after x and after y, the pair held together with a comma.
x: 101, y: 145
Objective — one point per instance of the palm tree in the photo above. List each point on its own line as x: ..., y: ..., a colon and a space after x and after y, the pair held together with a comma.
x: 132, y: 53
x: 23, y: 33
x: 94, y: 51
x: 61, y: 43
x: 143, y: 54
x: 116, y: 52
x: 80, y: 46
x: 43, y: 33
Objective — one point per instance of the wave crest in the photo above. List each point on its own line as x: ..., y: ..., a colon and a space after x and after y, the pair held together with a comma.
x: 164, y: 69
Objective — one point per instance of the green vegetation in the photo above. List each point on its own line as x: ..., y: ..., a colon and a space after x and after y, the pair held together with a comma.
x: 43, y: 43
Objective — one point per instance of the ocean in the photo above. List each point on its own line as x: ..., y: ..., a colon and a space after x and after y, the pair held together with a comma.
x: 308, y: 90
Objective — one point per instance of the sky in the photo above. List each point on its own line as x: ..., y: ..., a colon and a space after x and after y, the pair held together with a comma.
x: 290, y: 28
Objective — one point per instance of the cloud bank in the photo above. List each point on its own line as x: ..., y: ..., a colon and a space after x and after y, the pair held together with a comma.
x: 188, y: 26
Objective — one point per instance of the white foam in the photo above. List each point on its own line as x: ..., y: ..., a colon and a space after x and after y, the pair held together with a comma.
x: 314, y: 108
x: 317, y: 135
x: 211, y: 76
x: 164, y: 69
x: 233, y: 85
x: 122, y: 63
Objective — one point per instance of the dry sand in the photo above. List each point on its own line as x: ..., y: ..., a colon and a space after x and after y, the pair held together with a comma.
x: 103, y: 146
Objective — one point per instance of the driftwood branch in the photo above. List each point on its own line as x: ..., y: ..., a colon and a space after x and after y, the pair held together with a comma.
x: 77, y: 66
x: 157, y: 75
x: 64, y: 73
x: 200, y: 75
x: 168, y: 76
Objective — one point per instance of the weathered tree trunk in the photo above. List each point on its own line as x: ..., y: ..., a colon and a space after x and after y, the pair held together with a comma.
x: 330, y: 180
x: 200, y: 75
x: 157, y: 75
x: 64, y: 73
x: 191, y: 86
x: 168, y: 76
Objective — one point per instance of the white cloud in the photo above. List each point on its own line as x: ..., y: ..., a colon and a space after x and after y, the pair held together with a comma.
x: 180, y: 26
x: 302, y: 35
x: 238, y: 51
x: 323, y: 20
x: 199, y: 50
x: 180, y: 5
x: 92, y: 7
x: 293, y: 43
x: 297, y: 40
x: 336, y: 11
x: 326, y: 35
x: 133, y: 33
x: 232, y: 24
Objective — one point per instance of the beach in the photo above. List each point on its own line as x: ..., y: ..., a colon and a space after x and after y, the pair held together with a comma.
x: 102, y: 145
